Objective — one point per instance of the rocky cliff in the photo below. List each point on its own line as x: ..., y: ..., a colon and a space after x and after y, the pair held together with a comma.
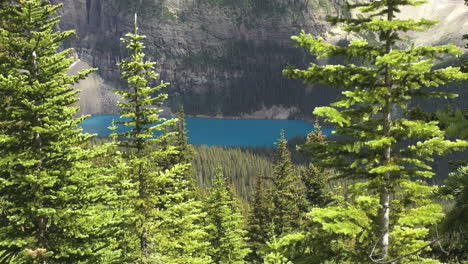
x: 222, y: 57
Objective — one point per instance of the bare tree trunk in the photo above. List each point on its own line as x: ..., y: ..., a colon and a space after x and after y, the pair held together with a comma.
x: 387, y: 119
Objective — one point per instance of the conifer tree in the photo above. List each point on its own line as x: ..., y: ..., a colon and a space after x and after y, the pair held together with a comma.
x: 177, y: 137
x: 279, y: 202
x: 225, y: 224
x: 287, y: 194
x: 275, y: 254
x: 53, y: 201
x: 168, y: 226
x: 260, y: 224
x: 455, y: 223
x: 315, y: 178
x: 185, y: 151
x: 315, y: 182
x: 379, y: 145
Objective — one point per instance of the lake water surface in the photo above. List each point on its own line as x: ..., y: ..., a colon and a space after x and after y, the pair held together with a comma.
x: 222, y: 132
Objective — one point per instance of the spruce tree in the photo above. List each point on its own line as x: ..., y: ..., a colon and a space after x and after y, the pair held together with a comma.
x: 53, y: 200
x: 378, y: 144
x: 279, y: 202
x: 185, y: 151
x: 168, y: 222
x: 176, y: 137
x: 315, y: 182
x: 314, y: 178
x: 260, y: 223
x: 455, y: 223
x: 287, y: 194
x: 225, y: 224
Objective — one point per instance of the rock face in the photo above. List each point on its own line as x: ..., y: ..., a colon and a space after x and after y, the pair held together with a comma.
x: 222, y: 57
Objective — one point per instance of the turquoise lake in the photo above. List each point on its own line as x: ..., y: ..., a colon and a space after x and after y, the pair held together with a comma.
x: 221, y: 132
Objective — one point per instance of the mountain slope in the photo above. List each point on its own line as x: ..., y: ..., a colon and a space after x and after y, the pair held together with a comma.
x: 222, y: 57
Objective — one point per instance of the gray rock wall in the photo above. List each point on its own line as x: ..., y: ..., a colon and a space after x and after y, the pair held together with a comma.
x: 222, y: 57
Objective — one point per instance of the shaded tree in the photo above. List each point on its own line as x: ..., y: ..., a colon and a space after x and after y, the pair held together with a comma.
x: 260, y: 222
x: 279, y: 202
x: 287, y: 194
x: 225, y: 224
x: 315, y: 179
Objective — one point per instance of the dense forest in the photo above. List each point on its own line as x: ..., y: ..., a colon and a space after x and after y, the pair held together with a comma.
x: 364, y: 195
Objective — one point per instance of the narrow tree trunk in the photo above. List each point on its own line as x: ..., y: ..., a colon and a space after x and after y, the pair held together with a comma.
x: 141, y: 179
x: 41, y: 235
x: 387, y: 119
x: 144, y: 233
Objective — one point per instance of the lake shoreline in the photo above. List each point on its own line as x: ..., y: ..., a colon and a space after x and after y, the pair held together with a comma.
x: 209, y: 130
x: 309, y: 120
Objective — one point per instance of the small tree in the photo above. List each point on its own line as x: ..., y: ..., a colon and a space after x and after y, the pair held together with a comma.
x: 378, y: 144
x: 455, y: 223
x: 279, y: 202
x: 225, y: 224
x: 287, y: 194
x: 314, y: 178
x: 260, y: 223
x: 185, y: 151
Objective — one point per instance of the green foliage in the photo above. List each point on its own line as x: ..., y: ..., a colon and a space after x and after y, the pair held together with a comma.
x: 242, y: 166
x: 225, y: 224
x: 260, y: 222
x: 316, y: 179
x: 275, y: 255
x: 56, y: 206
x: 278, y: 204
x: 377, y: 145
x: 180, y: 141
x: 455, y: 121
x: 457, y: 187
x: 338, y: 233
x: 167, y: 222
x: 316, y: 182
x: 287, y: 194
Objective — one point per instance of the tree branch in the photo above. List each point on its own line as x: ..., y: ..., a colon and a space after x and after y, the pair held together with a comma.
x: 406, y: 255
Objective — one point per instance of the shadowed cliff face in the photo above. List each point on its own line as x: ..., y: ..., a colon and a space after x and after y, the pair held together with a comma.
x: 220, y: 56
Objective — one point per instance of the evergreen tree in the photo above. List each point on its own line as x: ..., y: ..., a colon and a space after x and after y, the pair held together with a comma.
x: 275, y: 254
x: 287, y: 195
x: 260, y: 224
x: 177, y: 137
x: 455, y: 122
x: 315, y: 183
x: 242, y: 166
x: 53, y: 200
x: 185, y: 151
x: 455, y: 223
x: 225, y: 224
x: 377, y: 144
x: 315, y: 178
x: 279, y: 202
x: 167, y: 224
